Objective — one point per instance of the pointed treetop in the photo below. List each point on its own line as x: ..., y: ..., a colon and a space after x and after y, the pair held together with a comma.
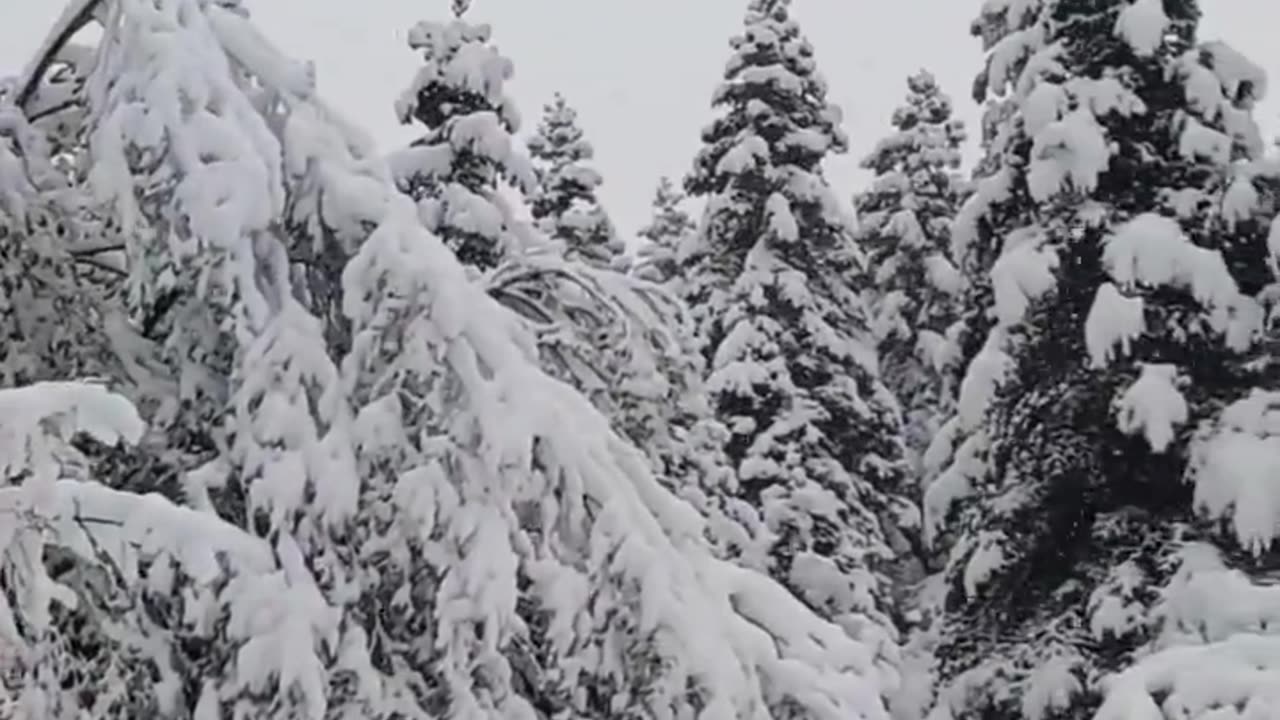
x: 559, y: 137
x: 769, y: 8
x: 565, y: 205
x: 669, y: 228
x: 460, y: 7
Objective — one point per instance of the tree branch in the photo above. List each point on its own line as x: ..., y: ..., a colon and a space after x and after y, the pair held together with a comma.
x: 100, y: 265
x: 94, y: 249
x: 74, y: 17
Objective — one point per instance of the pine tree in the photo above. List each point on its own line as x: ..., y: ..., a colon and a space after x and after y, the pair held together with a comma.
x: 905, y: 229
x: 456, y: 169
x: 565, y: 206
x: 658, y: 260
x: 1095, y: 500
x: 815, y: 435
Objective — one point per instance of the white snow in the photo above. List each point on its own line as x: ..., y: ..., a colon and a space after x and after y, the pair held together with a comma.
x: 1233, y: 69
x: 1153, y: 406
x: 1114, y: 319
x: 1023, y: 273
x: 1142, y: 24
x: 749, y: 150
x: 1051, y: 688
x: 1046, y: 104
x: 1115, y: 607
x: 781, y: 221
x: 1152, y: 250
x: 943, y: 274
x: 1201, y: 142
x: 1070, y: 152
x: 1240, y: 201
x: 1273, y: 244
x: 1236, y: 469
x: 987, y: 559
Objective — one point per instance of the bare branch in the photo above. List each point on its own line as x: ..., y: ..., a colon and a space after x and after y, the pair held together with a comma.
x: 89, y: 249
x: 74, y: 18
x: 100, y: 265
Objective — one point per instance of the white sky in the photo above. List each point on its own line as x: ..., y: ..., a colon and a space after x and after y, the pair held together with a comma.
x: 640, y: 73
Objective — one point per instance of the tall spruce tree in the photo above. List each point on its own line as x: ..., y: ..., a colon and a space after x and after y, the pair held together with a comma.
x: 565, y: 205
x: 814, y: 434
x: 1116, y: 408
x: 668, y: 231
x: 467, y: 153
x: 905, y: 229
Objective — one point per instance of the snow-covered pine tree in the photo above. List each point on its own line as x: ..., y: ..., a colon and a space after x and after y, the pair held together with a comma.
x: 455, y: 170
x: 65, y: 260
x: 565, y: 206
x: 1122, y: 387
x: 201, y: 189
x: 915, y: 295
x: 670, y: 228
x: 815, y: 435
x: 905, y: 229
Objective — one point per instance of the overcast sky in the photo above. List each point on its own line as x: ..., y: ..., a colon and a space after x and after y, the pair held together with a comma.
x: 640, y: 72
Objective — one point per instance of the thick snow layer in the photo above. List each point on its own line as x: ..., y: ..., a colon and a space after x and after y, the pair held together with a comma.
x: 1046, y: 104
x: 954, y: 484
x: 749, y: 150
x: 1152, y: 250
x: 1114, y: 319
x: 987, y: 559
x: 1105, y: 96
x: 1008, y: 57
x: 1238, y: 677
x: 1201, y: 88
x: 1070, y: 152
x: 943, y: 275
x: 781, y: 221
x: 986, y: 372
x: 1201, y: 142
x: 1051, y: 688
x: 1240, y: 202
x: 1153, y: 406
x: 1236, y: 469
x: 1234, y: 71
x: 1143, y: 24
x: 1023, y: 273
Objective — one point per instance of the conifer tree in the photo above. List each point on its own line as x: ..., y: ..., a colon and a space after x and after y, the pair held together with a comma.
x: 670, y: 229
x: 905, y: 229
x: 814, y: 435
x: 565, y: 206
x: 1114, y: 409
x: 455, y: 170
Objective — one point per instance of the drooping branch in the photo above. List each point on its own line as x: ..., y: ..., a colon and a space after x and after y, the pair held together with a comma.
x: 75, y: 17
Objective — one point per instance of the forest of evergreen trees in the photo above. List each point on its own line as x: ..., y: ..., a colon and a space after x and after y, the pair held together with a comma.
x: 296, y: 428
